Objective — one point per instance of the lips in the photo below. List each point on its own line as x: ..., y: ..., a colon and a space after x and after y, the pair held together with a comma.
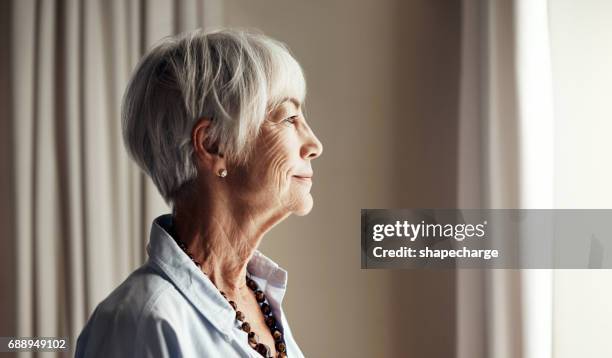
x: 305, y: 178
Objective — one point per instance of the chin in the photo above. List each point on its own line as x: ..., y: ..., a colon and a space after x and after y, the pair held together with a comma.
x: 304, y: 207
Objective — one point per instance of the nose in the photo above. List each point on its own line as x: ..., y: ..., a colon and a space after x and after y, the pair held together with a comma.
x: 312, y: 147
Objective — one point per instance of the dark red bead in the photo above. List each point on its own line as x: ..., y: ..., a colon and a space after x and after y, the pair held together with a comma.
x: 239, y: 316
x: 252, y: 339
x: 270, y: 321
x: 246, y: 327
x: 277, y: 335
x: 252, y: 284
x: 260, y: 296
x: 265, y: 308
x: 263, y: 349
x: 281, y: 347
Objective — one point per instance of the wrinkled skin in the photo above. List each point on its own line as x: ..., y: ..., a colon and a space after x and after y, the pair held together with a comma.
x: 282, y: 153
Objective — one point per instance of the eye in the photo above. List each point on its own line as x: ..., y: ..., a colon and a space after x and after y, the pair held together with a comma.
x: 290, y: 121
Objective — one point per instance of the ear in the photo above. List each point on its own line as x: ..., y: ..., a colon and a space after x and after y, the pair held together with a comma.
x: 208, y: 157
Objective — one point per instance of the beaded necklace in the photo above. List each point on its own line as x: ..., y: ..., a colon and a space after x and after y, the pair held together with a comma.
x: 266, y: 309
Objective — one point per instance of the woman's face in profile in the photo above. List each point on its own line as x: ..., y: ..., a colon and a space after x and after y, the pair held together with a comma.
x: 279, y: 173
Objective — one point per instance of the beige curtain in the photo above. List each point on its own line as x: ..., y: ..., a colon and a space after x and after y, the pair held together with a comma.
x: 505, y: 161
x: 78, y: 211
x: 488, y: 302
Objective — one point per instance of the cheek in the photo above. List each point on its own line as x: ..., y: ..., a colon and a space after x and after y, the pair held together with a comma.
x: 275, y: 159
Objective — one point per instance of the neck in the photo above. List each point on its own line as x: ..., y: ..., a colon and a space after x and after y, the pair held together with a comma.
x: 221, y: 237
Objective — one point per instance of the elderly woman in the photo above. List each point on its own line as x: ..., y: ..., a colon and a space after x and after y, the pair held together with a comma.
x: 215, y: 119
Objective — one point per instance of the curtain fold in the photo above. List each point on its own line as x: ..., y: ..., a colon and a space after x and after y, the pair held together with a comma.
x: 82, y: 209
x: 504, y: 159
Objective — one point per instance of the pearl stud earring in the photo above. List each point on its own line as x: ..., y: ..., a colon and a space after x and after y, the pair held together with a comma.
x: 222, y: 173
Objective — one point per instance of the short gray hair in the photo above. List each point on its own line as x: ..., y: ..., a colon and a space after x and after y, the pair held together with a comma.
x: 234, y: 77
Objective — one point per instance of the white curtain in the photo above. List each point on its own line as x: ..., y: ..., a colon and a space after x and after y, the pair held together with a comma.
x: 79, y: 209
x: 505, y: 161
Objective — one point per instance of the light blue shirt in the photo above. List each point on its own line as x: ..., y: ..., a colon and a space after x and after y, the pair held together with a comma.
x: 169, y: 308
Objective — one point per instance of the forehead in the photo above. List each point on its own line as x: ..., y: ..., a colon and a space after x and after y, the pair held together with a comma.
x: 285, y: 102
x: 291, y: 100
x: 286, y: 84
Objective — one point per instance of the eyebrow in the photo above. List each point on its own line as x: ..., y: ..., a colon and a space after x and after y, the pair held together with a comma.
x: 293, y: 100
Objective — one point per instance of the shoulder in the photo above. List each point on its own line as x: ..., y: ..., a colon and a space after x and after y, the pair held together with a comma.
x: 136, y: 296
x: 136, y: 317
